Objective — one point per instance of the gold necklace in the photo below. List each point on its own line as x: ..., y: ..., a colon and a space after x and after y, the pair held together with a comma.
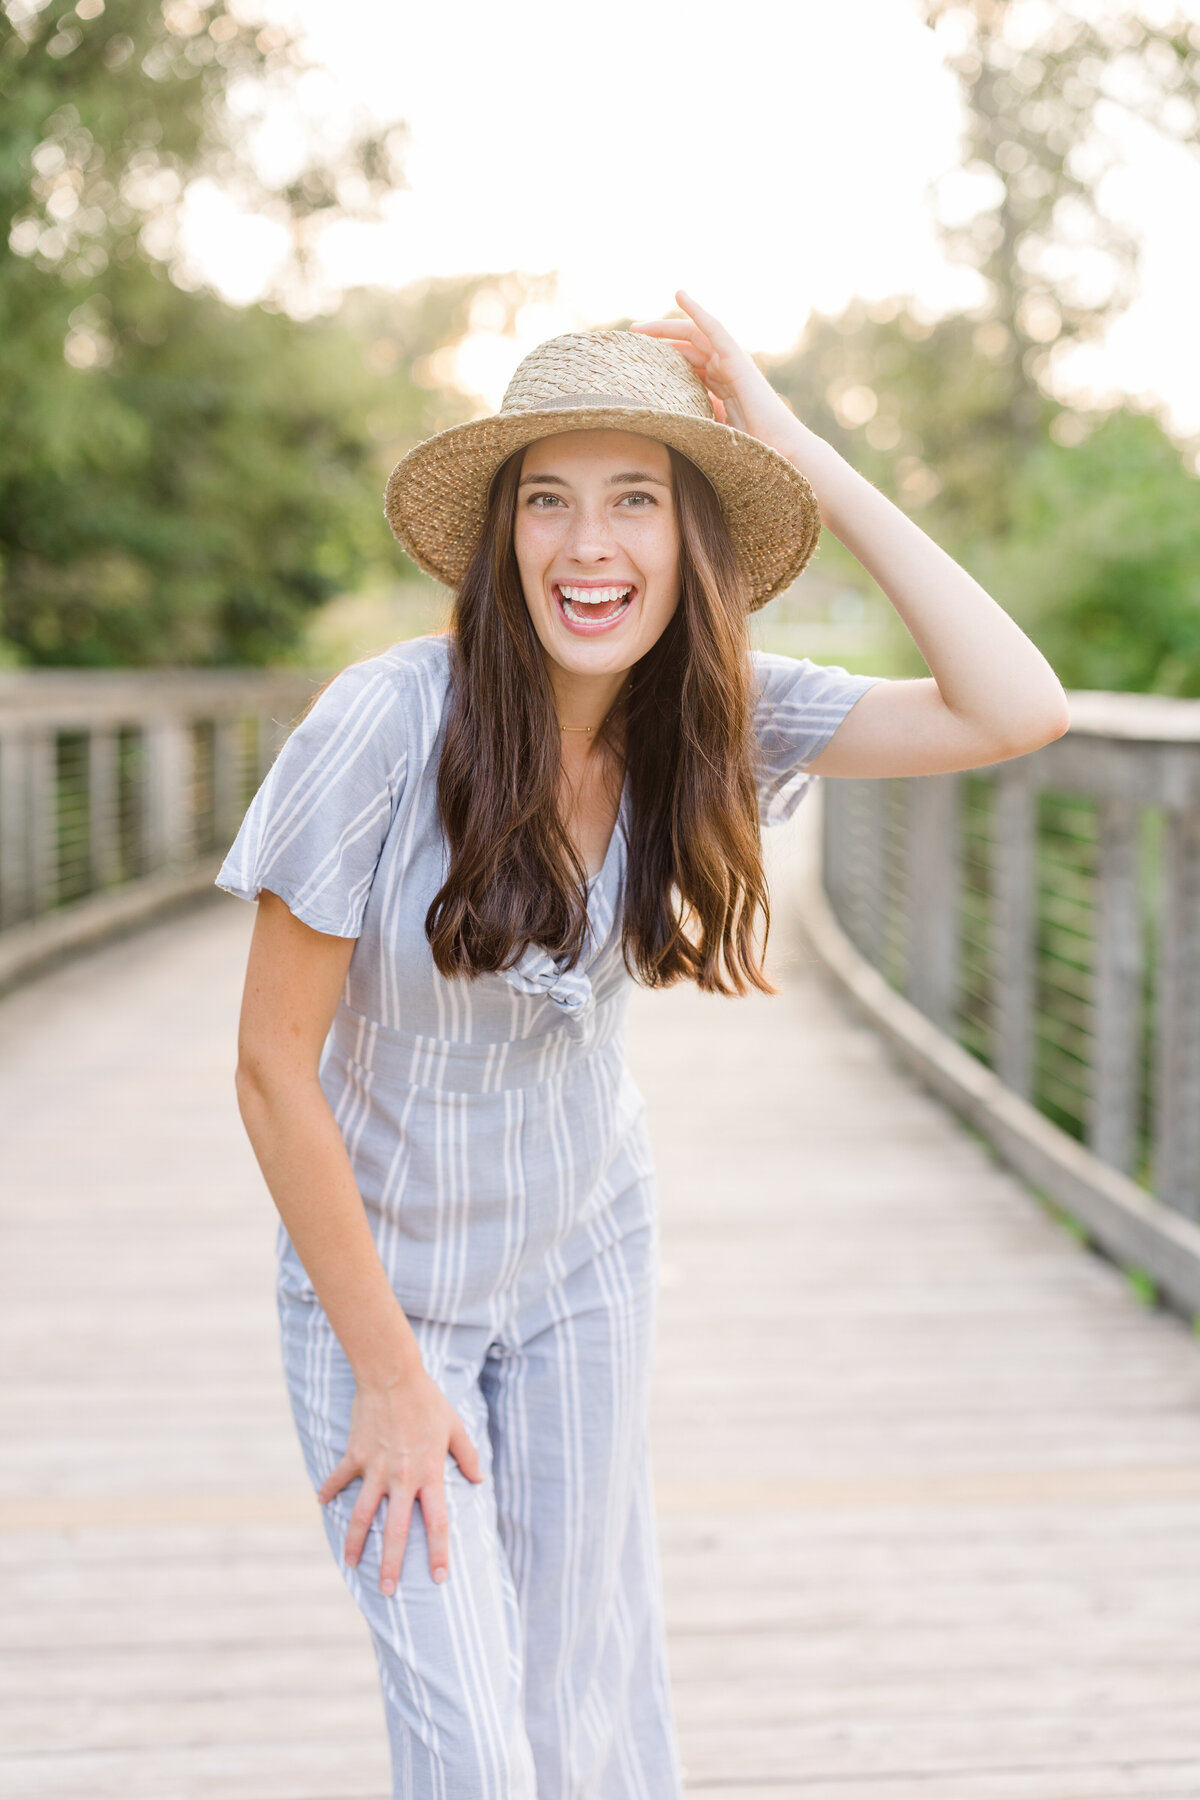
x: 604, y: 720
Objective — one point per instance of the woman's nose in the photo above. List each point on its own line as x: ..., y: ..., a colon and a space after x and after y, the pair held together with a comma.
x: 591, y: 534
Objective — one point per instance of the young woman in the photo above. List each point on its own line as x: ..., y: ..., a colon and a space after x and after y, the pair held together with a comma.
x: 463, y: 855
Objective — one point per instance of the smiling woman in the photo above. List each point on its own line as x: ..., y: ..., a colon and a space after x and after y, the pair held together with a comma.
x: 578, y: 513
x: 463, y: 854
x: 571, y: 713
x: 597, y: 603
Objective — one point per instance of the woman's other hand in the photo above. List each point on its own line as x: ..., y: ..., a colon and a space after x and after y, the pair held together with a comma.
x: 398, y: 1439
x: 740, y: 392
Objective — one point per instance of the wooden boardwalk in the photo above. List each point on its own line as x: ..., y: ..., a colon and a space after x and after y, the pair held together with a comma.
x: 928, y: 1475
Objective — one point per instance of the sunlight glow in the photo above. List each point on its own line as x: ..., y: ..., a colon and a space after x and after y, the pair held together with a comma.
x: 772, y: 161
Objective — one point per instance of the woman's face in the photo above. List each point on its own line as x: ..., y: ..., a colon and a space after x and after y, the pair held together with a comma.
x: 597, y: 543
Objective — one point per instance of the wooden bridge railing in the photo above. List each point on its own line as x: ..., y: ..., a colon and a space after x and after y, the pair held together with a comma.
x: 1044, y: 915
x: 120, y: 791
x: 1027, y: 933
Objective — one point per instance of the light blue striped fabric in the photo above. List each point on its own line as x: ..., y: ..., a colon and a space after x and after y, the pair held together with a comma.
x: 500, y: 1146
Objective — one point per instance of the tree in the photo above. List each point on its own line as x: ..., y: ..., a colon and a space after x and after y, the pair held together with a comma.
x: 181, y: 480
x: 1102, y: 563
x: 960, y: 419
x: 1046, y: 89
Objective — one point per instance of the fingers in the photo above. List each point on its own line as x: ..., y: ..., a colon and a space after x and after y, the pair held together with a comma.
x: 701, y: 332
x: 361, y: 1515
x: 699, y: 359
x: 336, y: 1479
x: 464, y: 1451
x: 712, y: 327
x: 395, y: 1537
x: 437, y: 1530
x: 685, y: 335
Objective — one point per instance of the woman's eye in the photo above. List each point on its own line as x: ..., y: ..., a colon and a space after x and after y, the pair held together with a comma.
x: 648, y: 498
x: 534, y: 499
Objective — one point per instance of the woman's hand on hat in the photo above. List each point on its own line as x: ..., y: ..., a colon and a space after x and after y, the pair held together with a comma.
x: 741, y: 394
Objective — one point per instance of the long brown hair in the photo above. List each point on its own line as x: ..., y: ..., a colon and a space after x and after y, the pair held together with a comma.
x: 683, y: 732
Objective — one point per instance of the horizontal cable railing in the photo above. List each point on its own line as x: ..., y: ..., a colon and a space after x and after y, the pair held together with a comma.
x: 120, y: 791
x: 1044, y: 914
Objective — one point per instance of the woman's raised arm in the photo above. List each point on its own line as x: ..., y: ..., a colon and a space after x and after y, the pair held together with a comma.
x: 992, y: 694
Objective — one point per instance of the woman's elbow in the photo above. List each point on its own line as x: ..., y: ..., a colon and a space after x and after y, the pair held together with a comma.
x: 248, y: 1085
x: 258, y: 1083
x: 1055, y: 725
x: 1042, y: 728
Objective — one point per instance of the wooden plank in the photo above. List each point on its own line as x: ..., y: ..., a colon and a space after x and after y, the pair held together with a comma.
x: 927, y: 1477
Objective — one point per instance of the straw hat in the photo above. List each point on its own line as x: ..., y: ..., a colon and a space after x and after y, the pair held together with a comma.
x: 436, y: 496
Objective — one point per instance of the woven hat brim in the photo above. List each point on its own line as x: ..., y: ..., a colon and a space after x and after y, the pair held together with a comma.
x: 436, y: 497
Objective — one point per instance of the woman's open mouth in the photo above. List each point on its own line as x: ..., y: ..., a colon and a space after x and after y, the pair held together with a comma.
x: 591, y: 607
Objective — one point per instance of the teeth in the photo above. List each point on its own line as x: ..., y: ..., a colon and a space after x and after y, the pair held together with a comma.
x: 593, y: 596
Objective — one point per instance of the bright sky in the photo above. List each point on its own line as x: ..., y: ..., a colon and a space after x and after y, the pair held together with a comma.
x: 769, y: 158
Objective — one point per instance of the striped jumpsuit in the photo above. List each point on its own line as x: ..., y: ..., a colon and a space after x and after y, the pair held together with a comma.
x: 500, y: 1147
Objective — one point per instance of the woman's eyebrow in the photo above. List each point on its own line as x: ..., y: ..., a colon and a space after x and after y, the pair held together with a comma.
x: 613, y: 480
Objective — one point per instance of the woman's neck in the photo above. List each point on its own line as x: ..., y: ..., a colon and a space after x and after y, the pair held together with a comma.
x: 583, y: 702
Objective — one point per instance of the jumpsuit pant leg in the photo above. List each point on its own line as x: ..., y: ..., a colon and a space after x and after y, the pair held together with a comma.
x: 567, y: 1391
x: 537, y: 1670
x: 448, y: 1653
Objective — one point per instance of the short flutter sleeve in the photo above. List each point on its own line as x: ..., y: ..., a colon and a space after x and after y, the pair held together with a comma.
x: 799, y: 706
x: 314, y: 831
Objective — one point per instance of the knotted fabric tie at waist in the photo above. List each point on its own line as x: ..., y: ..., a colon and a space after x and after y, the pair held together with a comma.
x: 544, y: 976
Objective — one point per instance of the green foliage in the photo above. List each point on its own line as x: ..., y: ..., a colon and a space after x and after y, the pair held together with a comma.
x: 921, y: 407
x: 181, y: 481
x: 1143, y: 1286
x: 1087, y: 531
x: 195, y: 499
x: 1102, y: 560
x: 1039, y: 84
x: 1074, y: 1228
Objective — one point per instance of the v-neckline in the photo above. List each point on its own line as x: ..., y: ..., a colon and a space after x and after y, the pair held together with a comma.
x: 593, y: 881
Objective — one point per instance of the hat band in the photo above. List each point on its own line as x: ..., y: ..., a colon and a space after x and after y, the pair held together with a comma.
x: 569, y: 402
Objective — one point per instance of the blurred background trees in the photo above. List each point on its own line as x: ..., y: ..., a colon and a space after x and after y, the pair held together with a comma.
x: 181, y: 480
x: 1085, y: 524
x: 187, y: 481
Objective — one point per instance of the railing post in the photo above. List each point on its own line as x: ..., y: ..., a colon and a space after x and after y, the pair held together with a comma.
x: 1176, y: 1127
x: 833, y: 832
x: 1117, y: 993
x: 1013, y: 926
x: 857, y: 888
x: 103, y: 821
x: 871, y: 807
x: 934, y: 881
x: 41, y: 750
x: 165, y: 794
x: 16, y: 899
x: 227, y: 778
